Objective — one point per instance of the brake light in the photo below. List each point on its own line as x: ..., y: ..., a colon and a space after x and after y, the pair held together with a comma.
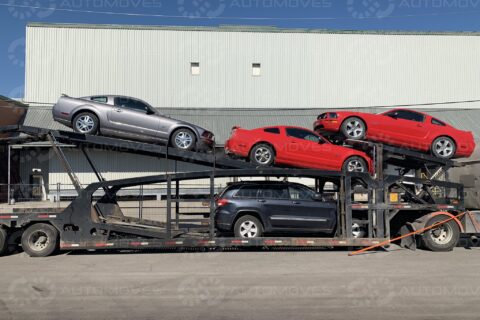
x: 221, y: 202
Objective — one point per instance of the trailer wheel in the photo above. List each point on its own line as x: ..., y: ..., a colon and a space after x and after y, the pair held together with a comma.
x: 442, y: 238
x: 248, y: 227
x: 40, y: 240
x: 3, y: 240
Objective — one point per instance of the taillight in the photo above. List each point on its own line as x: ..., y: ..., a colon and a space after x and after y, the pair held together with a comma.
x: 221, y: 202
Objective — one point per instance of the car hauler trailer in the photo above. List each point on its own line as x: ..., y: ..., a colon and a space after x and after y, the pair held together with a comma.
x: 384, y: 204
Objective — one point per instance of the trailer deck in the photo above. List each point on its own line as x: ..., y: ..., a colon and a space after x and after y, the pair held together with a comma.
x: 88, y: 223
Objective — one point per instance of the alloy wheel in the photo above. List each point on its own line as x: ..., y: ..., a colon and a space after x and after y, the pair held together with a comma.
x: 354, y: 129
x: 248, y: 229
x: 263, y: 155
x: 444, y: 148
x: 85, y: 124
x: 183, y: 140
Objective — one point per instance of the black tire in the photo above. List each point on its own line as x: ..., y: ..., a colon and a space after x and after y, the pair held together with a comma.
x: 262, y: 155
x: 255, y: 231
x: 40, y: 240
x: 86, y: 123
x: 355, y: 164
x: 444, y: 147
x: 14, y: 241
x: 449, y: 232
x: 3, y: 241
x: 354, y: 128
x: 183, y: 139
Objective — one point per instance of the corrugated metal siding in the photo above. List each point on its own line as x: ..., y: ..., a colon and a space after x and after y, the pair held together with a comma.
x: 299, y: 70
x: 221, y: 121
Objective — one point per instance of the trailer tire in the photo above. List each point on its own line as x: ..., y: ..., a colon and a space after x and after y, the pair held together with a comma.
x: 442, y: 238
x: 3, y: 241
x: 40, y: 240
x: 248, y: 227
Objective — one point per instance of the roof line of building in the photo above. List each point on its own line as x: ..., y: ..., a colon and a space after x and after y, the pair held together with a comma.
x: 246, y: 28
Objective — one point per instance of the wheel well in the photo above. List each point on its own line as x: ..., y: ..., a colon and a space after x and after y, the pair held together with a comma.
x: 248, y: 213
x: 182, y: 127
x: 263, y: 142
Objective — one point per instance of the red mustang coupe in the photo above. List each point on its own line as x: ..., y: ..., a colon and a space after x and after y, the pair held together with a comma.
x: 294, y: 146
x: 400, y: 127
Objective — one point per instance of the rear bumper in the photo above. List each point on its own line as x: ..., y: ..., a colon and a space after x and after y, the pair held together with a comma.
x: 224, y: 220
x: 237, y: 149
x: 327, y: 125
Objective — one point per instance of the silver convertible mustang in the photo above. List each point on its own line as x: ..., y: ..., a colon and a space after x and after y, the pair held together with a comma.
x: 129, y: 118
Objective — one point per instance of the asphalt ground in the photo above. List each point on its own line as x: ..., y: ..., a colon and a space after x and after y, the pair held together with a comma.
x: 398, y: 284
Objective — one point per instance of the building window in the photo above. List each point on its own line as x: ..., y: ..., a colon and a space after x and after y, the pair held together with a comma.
x: 195, y: 68
x: 256, y: 69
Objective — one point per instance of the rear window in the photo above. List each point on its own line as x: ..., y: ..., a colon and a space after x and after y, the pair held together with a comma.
x: 273, y: 192
x: 437, y: 122
x: 247, y: 192
x: 272, y: 130
x: 99, y: 99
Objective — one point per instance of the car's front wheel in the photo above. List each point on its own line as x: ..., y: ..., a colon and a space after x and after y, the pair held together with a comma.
x: 86, y: 123
x: 354, y: 128
x: 262, y: 155
x: 183, y: 139
x: 355, y: 164
x: 443, y: 147
x: 248, y: 227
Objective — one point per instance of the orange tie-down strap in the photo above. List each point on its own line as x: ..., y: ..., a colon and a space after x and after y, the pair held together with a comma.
x: 419, y: 231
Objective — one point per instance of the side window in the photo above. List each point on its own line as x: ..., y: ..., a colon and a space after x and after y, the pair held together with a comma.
x: 99, y: 99
x: 302, y: 134
x: 438, y: 122
x: 132, y: 104
x: 273, y: 192
x: 407, y: 115
x: 300, y: 193
x: 247, y: 192
x: 272, y: 130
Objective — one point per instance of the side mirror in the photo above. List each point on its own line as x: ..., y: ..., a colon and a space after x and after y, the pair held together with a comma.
x: 318, y: 197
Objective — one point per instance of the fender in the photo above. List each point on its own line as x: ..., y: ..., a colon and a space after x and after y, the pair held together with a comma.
x: 422, y: 221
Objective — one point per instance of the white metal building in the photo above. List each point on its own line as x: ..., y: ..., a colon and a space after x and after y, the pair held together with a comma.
x: 245, y: 67
x: 236, y: 75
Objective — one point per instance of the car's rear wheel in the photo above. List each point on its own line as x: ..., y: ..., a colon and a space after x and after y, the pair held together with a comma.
x: 443, y: 147
x: 262, y: 155
x: 183, y: 139
x: 86, y: 123
x: 248, y: 227
x: 355, y: 164
x: 40, y: 240
x: 354, y: 128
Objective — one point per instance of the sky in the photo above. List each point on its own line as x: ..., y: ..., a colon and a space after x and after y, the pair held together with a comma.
x: 413, y: 15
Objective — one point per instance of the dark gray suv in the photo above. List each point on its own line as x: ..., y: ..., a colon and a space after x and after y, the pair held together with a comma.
x: 250, y: 209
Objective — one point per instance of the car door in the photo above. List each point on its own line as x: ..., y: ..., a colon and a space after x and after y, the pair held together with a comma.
x: 275, y: 205
x: 306, y: 149
x: 310, y: 214
x: 133, y: 117
x: 403, y: 127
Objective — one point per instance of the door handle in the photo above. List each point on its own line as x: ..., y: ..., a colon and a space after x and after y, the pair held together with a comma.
x: 260, y: 200
x: 118, y: 110
x: 296, y: 202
